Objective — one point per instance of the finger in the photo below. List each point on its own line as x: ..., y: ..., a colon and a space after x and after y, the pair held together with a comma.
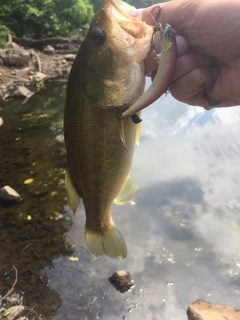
x: 182, y: 45
x: 152, y: 15
x: 191, y: 61
x: 192, y: 87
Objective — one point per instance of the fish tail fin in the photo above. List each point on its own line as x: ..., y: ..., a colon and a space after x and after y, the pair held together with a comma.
x: 110, y: 243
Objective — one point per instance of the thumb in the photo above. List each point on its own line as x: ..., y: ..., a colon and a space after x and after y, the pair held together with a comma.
x: 161, y: 13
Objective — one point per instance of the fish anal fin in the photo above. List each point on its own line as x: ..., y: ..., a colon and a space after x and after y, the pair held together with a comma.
x: 110, y: 243
x: 72, y: 195
x: 138, y: 132
x: 127, y: 193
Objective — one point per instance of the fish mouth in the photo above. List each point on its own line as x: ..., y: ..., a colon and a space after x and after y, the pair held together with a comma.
x: 120, y: 12
x: 118, y: 9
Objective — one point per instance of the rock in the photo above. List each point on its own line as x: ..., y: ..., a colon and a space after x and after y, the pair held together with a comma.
x: 14, y: 313
x: 39, y: 76
x: 15, y: 56
x: 69, y: 57
x: 22, y: 92
x: 12, y: 300
x: 8, y: 194
x: 14, y: 45
x: 121, y: 280
x: 49, y: 50
x: 203, y: 310
x: 66, y: 71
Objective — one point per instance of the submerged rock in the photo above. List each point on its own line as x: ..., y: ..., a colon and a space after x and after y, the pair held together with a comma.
x: 203, y: 310
x: 22, y: 92
x: 13, y: 313
x: 121, y: 280
x: 8, y: 194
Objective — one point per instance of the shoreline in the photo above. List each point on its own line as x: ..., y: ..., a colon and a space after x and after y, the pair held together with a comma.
x: 50, y: 63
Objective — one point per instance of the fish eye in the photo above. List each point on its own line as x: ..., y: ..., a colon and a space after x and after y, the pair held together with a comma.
x: 98, y: 37
x: 168, y: 35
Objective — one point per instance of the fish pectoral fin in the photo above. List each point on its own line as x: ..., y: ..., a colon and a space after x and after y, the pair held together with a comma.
x: 138, y: 131
x: 72, y: 195
x: 127, y: 193
x: 110, y: 243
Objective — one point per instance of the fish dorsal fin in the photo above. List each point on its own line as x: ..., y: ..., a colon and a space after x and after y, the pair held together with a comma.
x: 138, y: 131
x: 127, y: 193
x: 72, y: 196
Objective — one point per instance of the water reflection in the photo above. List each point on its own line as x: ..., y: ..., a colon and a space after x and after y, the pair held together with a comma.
x: 182, y: 230
x: 33, y: 232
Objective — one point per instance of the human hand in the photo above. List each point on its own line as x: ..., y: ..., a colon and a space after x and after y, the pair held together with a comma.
x: 207, y: 70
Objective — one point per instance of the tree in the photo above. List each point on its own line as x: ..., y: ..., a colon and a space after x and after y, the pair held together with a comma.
x: 45, y: 17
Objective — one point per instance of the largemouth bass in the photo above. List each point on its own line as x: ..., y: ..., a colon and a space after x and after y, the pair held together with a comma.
x: 106, y: 78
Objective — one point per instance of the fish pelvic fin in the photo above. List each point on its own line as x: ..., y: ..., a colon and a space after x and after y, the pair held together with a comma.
x: 110, y: 243
x: 127, y: 193
x: 72, y: 195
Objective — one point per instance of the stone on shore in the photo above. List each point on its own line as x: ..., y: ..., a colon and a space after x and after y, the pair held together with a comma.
x: 14, y: 56
x: 203, y: 310
x: 39, y: 76
x: 69, y: 57
x: 8, y: 194
x: 49, y: 50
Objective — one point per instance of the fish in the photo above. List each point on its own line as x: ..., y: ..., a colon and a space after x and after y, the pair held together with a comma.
x: 167, y: 62
x: 106, y: 78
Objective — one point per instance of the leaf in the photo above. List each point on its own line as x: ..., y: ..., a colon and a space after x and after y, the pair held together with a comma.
x: 72, y: 258
x: 28, y: 181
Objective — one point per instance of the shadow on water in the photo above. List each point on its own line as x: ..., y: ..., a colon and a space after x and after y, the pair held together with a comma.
x: 182, y: 231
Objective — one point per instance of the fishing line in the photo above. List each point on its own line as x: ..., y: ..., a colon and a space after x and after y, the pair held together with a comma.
x: 153, y: 109
x: 157, y: 15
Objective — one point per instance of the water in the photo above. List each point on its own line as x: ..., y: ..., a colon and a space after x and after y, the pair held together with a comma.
x: 182, y: 230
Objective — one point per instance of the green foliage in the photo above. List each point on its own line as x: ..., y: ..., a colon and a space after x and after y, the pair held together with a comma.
x: 45, y: 17
x: 3, y: 35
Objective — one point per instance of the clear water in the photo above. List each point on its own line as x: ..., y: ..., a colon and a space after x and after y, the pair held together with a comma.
x: 182, y: 230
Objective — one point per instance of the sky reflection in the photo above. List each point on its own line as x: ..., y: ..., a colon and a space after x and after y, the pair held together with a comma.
x: 183, y: 228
